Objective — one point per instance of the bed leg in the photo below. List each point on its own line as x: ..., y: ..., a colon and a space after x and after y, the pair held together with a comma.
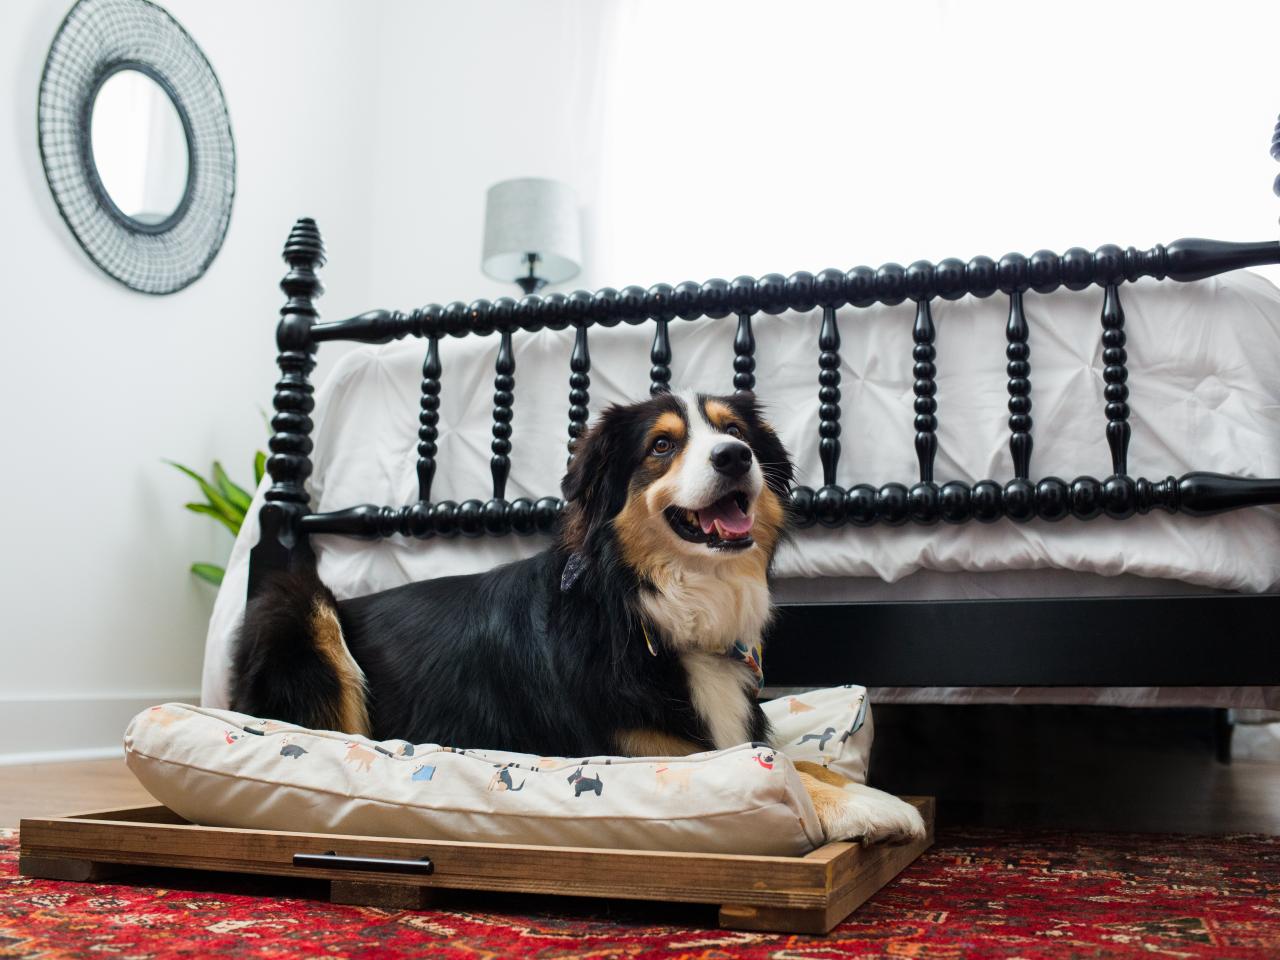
x: 1223, y: 728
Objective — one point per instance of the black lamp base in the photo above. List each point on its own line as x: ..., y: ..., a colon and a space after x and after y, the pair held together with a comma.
x: 529, y: 283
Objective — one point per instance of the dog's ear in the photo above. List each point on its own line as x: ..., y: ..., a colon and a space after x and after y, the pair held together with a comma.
x: 595, y: 485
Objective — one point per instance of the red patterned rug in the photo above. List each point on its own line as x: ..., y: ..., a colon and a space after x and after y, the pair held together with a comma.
x: 977, y: 893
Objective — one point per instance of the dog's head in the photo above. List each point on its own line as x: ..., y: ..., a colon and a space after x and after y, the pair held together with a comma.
x: 683, y: 479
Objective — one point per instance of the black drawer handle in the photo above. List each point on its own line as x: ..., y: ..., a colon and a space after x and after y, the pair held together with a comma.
x: 333, y: 861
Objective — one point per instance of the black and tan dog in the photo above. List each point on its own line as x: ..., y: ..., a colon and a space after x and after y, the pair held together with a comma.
x: 616, y: 640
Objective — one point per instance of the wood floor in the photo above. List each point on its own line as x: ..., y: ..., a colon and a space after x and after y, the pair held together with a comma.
x: 54, y: 789
x: 1069, y: 767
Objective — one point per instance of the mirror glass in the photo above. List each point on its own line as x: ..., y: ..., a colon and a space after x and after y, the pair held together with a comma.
x: 139, y: 147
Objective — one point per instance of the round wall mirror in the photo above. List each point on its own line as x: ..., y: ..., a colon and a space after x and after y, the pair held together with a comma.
x: 136, y: 143
x: 139, y: 148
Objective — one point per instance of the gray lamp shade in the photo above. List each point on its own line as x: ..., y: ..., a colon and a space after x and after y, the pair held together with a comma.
x: 531, y: 215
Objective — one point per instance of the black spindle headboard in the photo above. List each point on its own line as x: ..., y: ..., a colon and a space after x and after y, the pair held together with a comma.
x: 940, y: 643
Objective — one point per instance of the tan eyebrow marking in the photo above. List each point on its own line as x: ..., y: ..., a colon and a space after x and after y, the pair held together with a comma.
x: 669, y: 424
x: 719, y: 415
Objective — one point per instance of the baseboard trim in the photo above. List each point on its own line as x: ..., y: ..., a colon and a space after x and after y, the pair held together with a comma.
x: 60, y: 727
x: 61, y: 756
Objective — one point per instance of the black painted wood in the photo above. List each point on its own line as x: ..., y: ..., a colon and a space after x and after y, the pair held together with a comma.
x: 579, y: 387
x: 925, y: 388
x: 826, y: 504
x: 1219, y: 640
x: 504, y: 382
x: 660, y: 357
x: 289, y: 465
x: 829, y: 396
x: 744, y: 356
x: 429, y: 419
x: 1018, y: 369
x: 1183, y: 260
x: 1115, y: 374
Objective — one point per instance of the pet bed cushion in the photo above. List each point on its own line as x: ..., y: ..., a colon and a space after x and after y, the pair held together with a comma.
x: 220, y: 768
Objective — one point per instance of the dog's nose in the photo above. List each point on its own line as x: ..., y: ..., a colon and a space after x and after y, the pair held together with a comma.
x: 733, y: 458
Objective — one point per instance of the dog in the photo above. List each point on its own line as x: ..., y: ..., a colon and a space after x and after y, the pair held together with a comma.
x: 615, y: 640
x: 583, y: 784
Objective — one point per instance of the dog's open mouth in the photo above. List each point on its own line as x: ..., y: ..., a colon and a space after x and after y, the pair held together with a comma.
x: 723, y: 525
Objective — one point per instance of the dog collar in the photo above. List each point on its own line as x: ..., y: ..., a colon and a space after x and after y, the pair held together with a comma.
x: 750, y: 655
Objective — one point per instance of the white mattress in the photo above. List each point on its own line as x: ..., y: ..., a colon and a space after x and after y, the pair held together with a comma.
x: 1204, y: 362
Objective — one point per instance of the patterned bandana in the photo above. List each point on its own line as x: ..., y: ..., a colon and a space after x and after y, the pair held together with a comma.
x: 752, y: 657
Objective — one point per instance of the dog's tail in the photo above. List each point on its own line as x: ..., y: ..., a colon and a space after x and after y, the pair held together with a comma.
x: 290, y: 660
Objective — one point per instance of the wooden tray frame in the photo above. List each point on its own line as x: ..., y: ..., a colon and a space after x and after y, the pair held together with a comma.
x: 809, y: 894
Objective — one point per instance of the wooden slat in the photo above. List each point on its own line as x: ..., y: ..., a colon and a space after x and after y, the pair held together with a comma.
x: 855, y: 874
x: 809, y: 893
x: 629, y: 874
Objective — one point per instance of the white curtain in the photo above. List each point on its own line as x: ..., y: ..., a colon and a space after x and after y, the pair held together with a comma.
x: 750, y: 136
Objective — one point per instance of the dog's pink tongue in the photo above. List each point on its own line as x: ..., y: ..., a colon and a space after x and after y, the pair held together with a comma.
x: 726, y: 511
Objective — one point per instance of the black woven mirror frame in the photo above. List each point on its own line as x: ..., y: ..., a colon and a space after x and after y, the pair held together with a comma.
x: 97, y: 39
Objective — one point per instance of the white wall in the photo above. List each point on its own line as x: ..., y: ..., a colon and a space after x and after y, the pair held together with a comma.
x: 98, y: 614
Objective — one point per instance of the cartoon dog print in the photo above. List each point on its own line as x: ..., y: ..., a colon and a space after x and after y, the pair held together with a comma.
x: 230, y: 737
x: 822, y: 738
x: 501, y: 780
x: 667, y: 777
x: 584, y: 784
x: 163, y: 716
x: 291, y: 750
x: 764, y: 757
x: 362, y: 757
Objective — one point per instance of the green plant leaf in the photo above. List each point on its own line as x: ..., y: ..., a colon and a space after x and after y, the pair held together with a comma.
x: 217, y: 500
x: 237, y: 495
x: 209, y: 511
x: 259, y: 467
x: 209, y: 572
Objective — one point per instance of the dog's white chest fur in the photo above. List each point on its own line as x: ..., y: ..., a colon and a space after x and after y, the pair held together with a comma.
x: 701, y: 613
x: 707, y: 610
x: 720, y: 690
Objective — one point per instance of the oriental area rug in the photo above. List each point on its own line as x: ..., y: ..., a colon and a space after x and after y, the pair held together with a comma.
x: 976, y: 893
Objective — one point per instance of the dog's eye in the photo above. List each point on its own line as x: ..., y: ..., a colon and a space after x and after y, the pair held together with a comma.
x: 662, y: 446
x: 734, y: 430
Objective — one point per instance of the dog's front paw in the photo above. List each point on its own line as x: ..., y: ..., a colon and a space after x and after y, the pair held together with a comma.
x: 863, y: 813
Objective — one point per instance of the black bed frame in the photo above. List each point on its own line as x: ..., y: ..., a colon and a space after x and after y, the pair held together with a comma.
x: 1213, y: 640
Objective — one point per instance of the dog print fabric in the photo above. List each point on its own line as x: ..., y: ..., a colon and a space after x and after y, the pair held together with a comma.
x: 220, y: 768
x: 226, y: 769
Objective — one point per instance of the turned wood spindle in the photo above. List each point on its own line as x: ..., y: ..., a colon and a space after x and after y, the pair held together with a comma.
x: 829, y: 396
x: 660, y: 357
x: 429, y: 419
x: 926, y: 388
x: 1115, y: 374
x: 1019, y: 372
x: 504, y: 383
x: 290, y: 444
x: 289, y: 465
x: 744, y: 356
x: 579, y: 388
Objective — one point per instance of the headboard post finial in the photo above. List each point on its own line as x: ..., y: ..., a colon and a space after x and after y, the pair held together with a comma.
x: 280, y: 540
